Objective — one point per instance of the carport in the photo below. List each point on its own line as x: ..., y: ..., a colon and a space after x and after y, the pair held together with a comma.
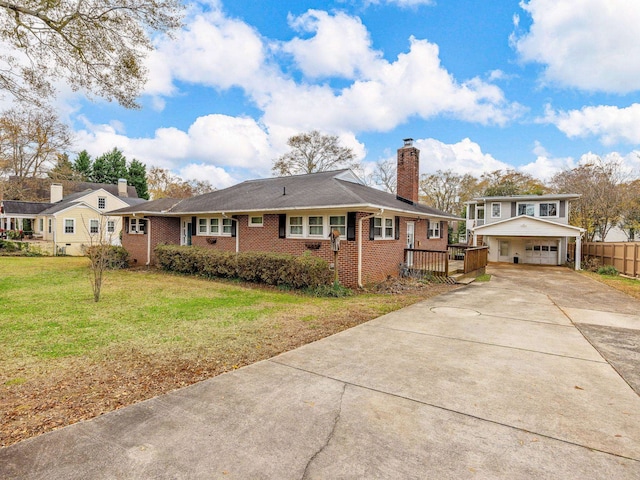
x: 530, y: 240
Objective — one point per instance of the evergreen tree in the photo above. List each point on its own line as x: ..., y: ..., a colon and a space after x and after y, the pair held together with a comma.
x: 82, y: 166
x: 63, y: 169
x: 137, y: 176
x: 110, y: 167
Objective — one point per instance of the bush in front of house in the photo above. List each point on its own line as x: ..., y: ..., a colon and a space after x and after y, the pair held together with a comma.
x: 301, y: 272
x: 115, y: 257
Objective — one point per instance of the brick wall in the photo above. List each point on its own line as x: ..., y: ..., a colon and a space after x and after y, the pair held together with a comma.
x: 408, y: 173
x: 163, y: 230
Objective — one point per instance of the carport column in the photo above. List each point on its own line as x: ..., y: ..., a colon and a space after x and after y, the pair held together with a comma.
x: 578, y: 251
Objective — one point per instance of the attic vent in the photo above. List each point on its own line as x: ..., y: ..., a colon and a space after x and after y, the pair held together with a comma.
x: 408, y: 142
x: 284, y: 190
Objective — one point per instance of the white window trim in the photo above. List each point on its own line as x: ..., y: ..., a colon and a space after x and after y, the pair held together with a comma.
x: 111, y: 226
x: 208, y: 232
x: 93, y: 221
x: 326, y: 226
x: 134, y: 223
x: 383, y: 228
x: 105, y: 203
x: 437, y: 230
x: 296, y: 235
x: 308, y: 225
x: 549, y: 216
x: 73, y: 223
x: 499, y: 209
x: 535, y: 209
x: 261, y: 224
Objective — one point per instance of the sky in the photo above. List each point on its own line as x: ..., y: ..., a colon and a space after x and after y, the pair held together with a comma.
x: 533, y: 85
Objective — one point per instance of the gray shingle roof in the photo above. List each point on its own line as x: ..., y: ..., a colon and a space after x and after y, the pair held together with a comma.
x: 24, y: 208
x: 335, y: 189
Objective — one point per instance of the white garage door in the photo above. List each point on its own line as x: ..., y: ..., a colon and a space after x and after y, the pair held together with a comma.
x: 541, y: 252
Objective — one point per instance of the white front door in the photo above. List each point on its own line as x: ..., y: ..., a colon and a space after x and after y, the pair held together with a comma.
x: 503, y: 251
x: 410, y: 242
x: 186, y: 232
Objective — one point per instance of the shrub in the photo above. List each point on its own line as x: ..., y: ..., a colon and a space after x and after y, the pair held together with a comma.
x: 591, y: 264
x: 335, y: 290
x: 115, y: 257
x: 607, y: 270
x: 8, y: 246
x: 277, y: 269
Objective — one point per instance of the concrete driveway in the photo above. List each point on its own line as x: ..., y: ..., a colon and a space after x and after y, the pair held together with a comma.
x: 493, y: 380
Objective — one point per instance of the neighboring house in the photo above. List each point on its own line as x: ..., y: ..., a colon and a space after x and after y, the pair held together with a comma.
x: 68, y: 223
x: 617, y: 234
x: 295, y: 215
x: 524, y: 228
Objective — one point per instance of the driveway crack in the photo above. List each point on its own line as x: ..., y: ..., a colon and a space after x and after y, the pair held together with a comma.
x: 330, y: 436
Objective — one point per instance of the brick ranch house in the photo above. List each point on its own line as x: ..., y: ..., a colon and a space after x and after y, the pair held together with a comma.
x: 295, y: 215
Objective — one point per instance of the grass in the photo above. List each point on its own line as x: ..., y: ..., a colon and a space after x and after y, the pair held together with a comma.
x: 485, y: 277
x: 630, y: 286
x: 64, y: 357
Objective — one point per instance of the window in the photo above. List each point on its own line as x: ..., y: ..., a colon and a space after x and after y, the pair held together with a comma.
x: 434, y: 229
x: 102, y: 203
x: 226, y: 226
x: 383, y: 228
x: 526, y: 209
x: 202, y: 226
x: 50, y: 225
x: 548, y: 210
x: 496, y: 210
x: 388, y: 228
x: 111, y: 226
x: 214, y: 226
x: 295, y: 226
x: 94, y: 226
x: 69, y: 225
x: 138, y: 225
x: 377, y: 227
x: 338, y: 222
x: 255, y: 221
x: 41, y: 225
x: 316, y: 226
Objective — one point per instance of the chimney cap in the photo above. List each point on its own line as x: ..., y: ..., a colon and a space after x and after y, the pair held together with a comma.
x: 408, y: 142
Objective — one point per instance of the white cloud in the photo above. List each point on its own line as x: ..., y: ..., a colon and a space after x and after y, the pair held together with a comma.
x: 588, y: 44
x: 462, y: 157
x: 545, y: 165
x: 217, y: 176
x: 340, y: 46
x: 611, y: 124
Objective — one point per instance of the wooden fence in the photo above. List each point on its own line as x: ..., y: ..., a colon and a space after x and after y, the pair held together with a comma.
x: 475, y: 258
x: 434, y: 262
x: 625, y: 256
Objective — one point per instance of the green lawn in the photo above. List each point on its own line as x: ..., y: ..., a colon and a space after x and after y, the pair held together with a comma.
x: 64, y: 357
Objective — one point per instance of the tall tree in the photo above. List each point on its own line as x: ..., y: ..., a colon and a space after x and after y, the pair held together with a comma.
x: 63, y: 170
x: 137, y: 176
x: 629, y: 221
x: 109, y: 167
x: 601, y: 197
x: 510, y: 182
x: 95, y: 45
x: 164, y: 184
x: 82, y: 165
x: 385, y: 175
x: 447, y: 191
x: 30, y: 141
x: 314, y: 152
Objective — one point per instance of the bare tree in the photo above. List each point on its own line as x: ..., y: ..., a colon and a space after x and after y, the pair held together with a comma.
x: 510, y: 182
x: 164, y: 184
x: 31, y: 140
x: 314, y: 152
x: 601, y: 195
x: 385, y: 175
x: 447, y: 191
x: 95, y: 45
x: 100, y: 250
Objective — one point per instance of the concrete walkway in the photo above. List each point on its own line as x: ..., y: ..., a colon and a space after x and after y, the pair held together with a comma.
x: 492, y: 380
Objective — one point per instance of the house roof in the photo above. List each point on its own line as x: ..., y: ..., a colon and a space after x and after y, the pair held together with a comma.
x: 74, y: 199
x: 527, y: 226
x: 15, y: 207
x: 520, y: 198
x: 109, y: 187
x: 324, y: 190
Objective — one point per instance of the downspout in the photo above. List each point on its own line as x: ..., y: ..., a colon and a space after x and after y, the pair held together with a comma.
x: 360, y: 244
x: 224, y: 215
x: 55, y: 229
x: 148, y: 242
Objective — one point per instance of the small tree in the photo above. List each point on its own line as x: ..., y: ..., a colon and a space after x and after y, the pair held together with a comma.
x: 100, y: 251
x: 314, y: 152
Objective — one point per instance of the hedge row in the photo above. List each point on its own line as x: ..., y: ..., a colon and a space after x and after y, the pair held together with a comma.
x: 305, y: 271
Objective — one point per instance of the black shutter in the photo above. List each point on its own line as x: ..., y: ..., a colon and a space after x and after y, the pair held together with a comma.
x: 397, y: 220
x: 562, y: 209
x: 441, y: 229
x: 351, y: 226
x: 372, y: 229
x: 194, y: 227
x: 282, y: 225
x: 126, y: 224
x: 428, y: 227
x: 513, y: 209
x: 234, y: 226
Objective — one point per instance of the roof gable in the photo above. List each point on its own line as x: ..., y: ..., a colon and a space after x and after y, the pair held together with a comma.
x: 527, y: 226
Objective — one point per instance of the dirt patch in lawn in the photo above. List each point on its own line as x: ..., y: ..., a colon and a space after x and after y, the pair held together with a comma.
x: 68, y: 390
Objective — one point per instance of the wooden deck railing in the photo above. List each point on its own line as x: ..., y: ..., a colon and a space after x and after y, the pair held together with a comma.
x: 475, y: 258
x: 434, y: 262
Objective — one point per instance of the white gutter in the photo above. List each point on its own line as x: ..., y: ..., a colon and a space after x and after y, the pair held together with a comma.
x: 360, y: 244
x: 148, y: 242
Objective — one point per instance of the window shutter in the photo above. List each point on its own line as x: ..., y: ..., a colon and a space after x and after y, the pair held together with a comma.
x: 234, y: 226
x: 428, y: 228
x: 126, y: 224
x: 397, y: 220
x: 513, y: 209
x: 372, y: 230
x: 194, y: 227
x: 441, y: 229
x: 562, y: 209
x: 282, y: 225
x: 351, y: 226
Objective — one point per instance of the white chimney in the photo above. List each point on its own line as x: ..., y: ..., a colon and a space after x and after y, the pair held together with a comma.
x: 56, y: 192
x: 122, y: 188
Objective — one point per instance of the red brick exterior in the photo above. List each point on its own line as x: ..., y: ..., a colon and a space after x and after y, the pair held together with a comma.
x: 408, y: 172
x: 380, y: 258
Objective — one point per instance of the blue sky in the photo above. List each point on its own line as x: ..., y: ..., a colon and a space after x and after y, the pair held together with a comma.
x: 537, y: 85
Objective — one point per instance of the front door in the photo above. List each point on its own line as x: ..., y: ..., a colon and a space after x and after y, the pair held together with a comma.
x: 186, y: 232
x: 410, y: 242
x: 503, y: 252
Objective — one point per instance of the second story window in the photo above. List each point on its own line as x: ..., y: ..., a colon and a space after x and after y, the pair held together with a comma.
x: 526, y: 209
x: 496, y: 210
x: 102, y: 203
x: 548, y: 210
